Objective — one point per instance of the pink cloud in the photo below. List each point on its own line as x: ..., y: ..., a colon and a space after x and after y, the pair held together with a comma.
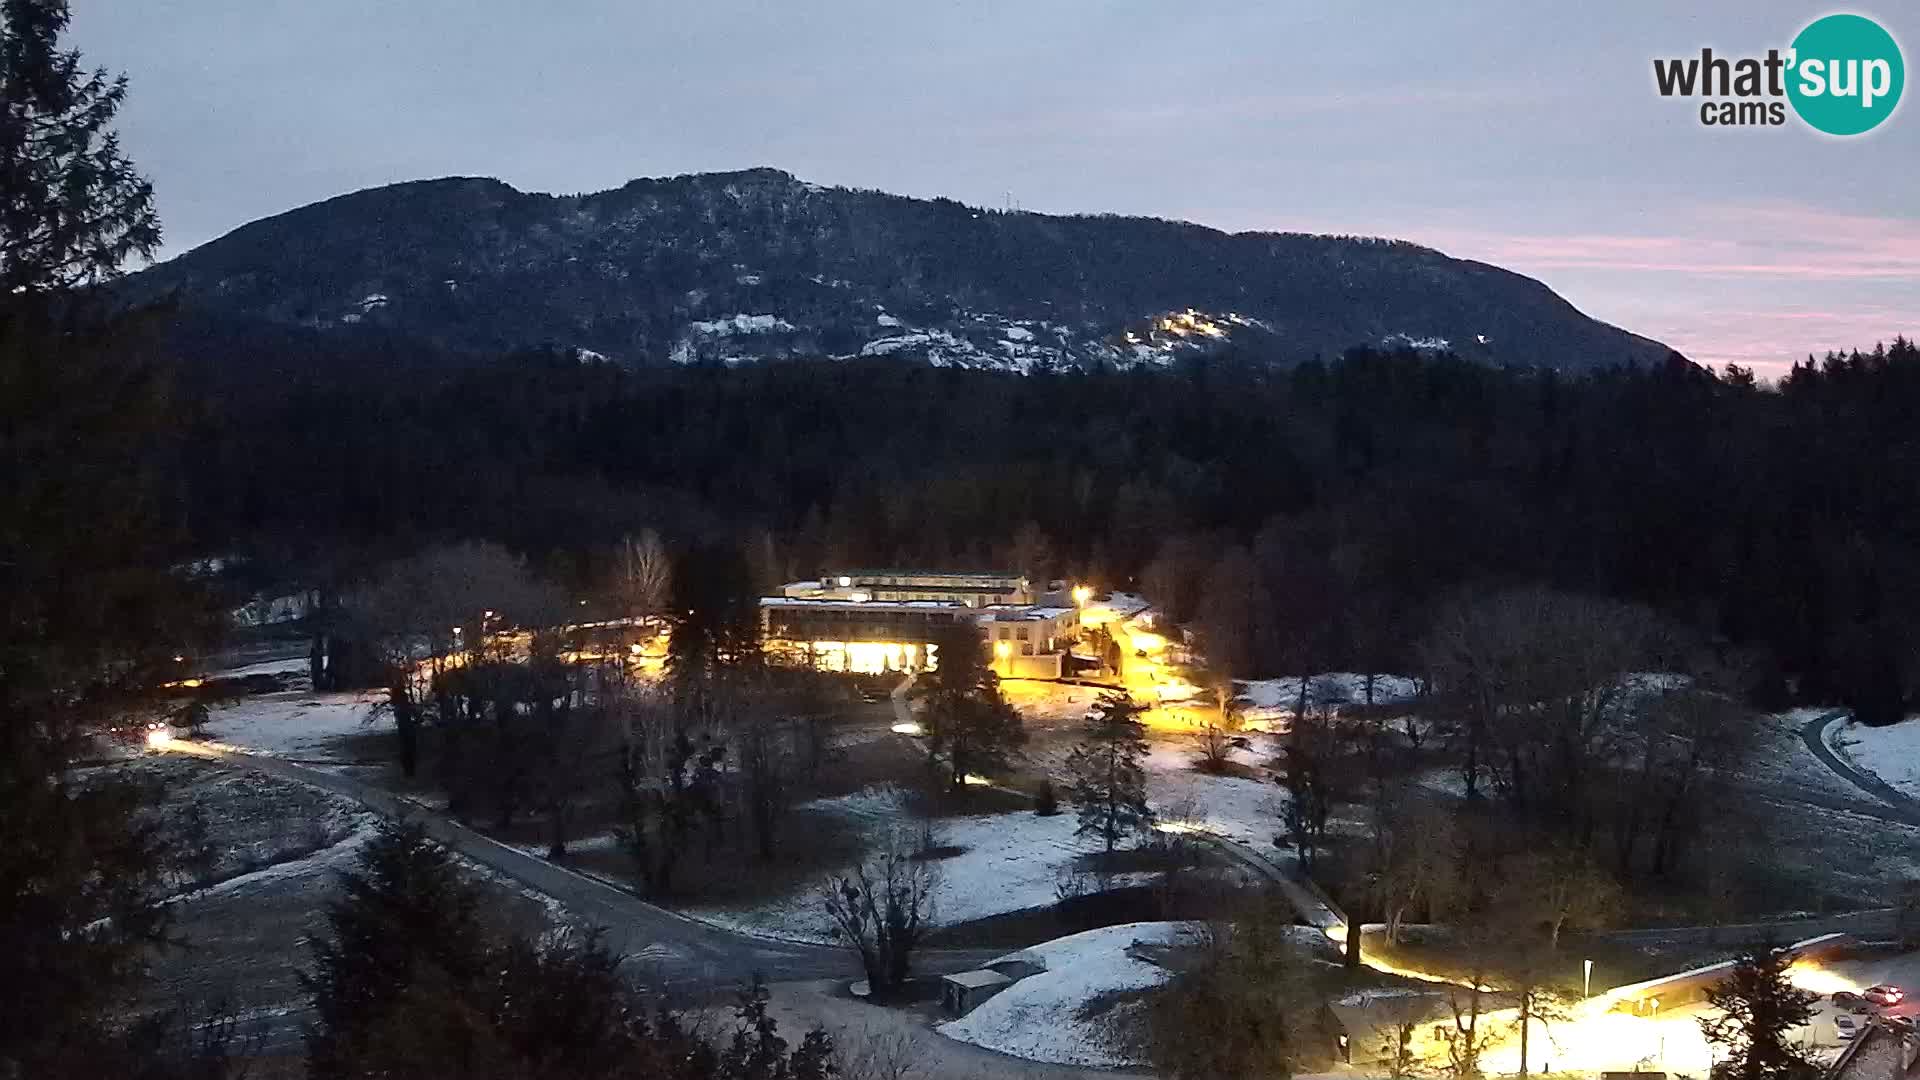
x: 1724, y: 241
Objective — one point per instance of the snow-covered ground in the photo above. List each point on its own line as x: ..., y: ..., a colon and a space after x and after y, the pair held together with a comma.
x: 1014, y: 861
x: 297, y: 724
x: 335, y: 857
x: 1113, y: 607
x: 1892, y: 753
x: 1263, y: 701
x: 1008, y: 862
x: 292, y: 665
x: 1040, y: 1017
x: 1234, y: 807
x: 1049, y: 703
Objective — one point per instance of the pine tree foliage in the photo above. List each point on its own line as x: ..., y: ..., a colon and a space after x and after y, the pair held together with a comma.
x: 971, y: 729
x: 1757, y: 1008
x: 89, y: 612
x: 1109, y: 781
x: 72, y: 208
x: 412, y: 981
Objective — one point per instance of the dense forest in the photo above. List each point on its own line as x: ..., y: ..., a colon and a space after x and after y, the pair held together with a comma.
x: 1352, y: 496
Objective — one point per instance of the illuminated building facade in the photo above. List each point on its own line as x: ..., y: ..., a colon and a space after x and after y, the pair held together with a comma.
x: 869, y: 636
x: 1030, y: 642
x: 876, y: 621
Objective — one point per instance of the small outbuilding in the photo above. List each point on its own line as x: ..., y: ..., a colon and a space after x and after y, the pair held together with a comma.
x: 960, y: 994
x: 1019, y: 965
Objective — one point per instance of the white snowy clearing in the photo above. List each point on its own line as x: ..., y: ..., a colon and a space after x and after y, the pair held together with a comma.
x: 297, y: 724
x: 289, y: 666
x: 1891, y: 753
x: 1039, y: 1017
x: 1263, y: 701
x: 1014, y: 861
x: 1233, y: 807
x: 1010, y: 862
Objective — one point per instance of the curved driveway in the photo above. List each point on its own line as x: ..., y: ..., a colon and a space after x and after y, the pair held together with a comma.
x: 1814, y: 733
x: 666, y: 950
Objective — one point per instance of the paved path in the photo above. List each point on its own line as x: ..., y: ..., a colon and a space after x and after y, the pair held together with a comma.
x: 902, y: 710
x: 1814, y: 734
x: 667, y: 950
x: 664, y: 949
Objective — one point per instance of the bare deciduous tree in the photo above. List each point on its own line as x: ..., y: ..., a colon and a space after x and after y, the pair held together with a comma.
x: 883, y: 908
x: 646, y: 574
x: 437, y: 609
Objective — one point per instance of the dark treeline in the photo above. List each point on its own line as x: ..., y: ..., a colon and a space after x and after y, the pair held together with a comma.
x: 1778, y: 519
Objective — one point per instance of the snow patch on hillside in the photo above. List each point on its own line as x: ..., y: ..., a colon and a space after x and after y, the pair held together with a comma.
x: 1430, y: 343
x: 740, y: 324
x: 1891, y: 753
x: 1041, y: 1017
x: 1007, y: 862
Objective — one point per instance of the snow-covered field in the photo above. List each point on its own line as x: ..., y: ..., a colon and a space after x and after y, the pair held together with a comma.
x: 287, y: 666
x: 1233, y: 807
x: 1265, y: 700
x: 1014, y: 861
x: 1892, y: 753
x: 1008, y: 862
x: 297, y: 724
x: 1046, y: 704
x: 1040, y: 1017
x: 1114, y: 607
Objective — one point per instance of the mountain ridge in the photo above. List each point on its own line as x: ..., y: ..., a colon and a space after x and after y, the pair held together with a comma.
x: 756, y: 264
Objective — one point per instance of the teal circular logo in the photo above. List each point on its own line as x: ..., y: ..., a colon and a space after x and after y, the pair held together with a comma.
x: 1846, y: 76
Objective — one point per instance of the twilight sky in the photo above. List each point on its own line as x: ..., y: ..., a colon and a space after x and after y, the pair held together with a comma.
x: 1521, y: 133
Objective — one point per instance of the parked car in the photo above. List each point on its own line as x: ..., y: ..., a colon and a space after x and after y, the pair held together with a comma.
x: 1850, y: 1002
x: 1884, y: 994
x: 1845, y: 1027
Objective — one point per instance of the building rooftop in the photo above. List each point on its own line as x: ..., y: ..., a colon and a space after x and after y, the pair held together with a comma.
x: 1018, y: 612
x: 976, y: 979
x: 895, y: 571
x: 859, y: 605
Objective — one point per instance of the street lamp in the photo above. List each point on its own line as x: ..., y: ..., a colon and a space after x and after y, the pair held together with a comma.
x: 1587, y: 989
x: 1081, y: 594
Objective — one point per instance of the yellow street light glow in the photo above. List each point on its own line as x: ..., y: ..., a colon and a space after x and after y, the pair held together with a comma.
x: 1081, y: 594
x: 976, y: 780
x: 1002, y: 649
x: 909, y: 727
x: 1808, y: 975
x: 159, y: 739
x: 1181, y: 828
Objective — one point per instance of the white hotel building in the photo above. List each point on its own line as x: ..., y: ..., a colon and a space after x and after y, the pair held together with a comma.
x: 876, y: 621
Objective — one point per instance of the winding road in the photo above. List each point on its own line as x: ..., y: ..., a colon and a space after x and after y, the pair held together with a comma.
x: 1903, y: 807
x: 668, y: 951
x: 664, y: 949
x: 671, y: 952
